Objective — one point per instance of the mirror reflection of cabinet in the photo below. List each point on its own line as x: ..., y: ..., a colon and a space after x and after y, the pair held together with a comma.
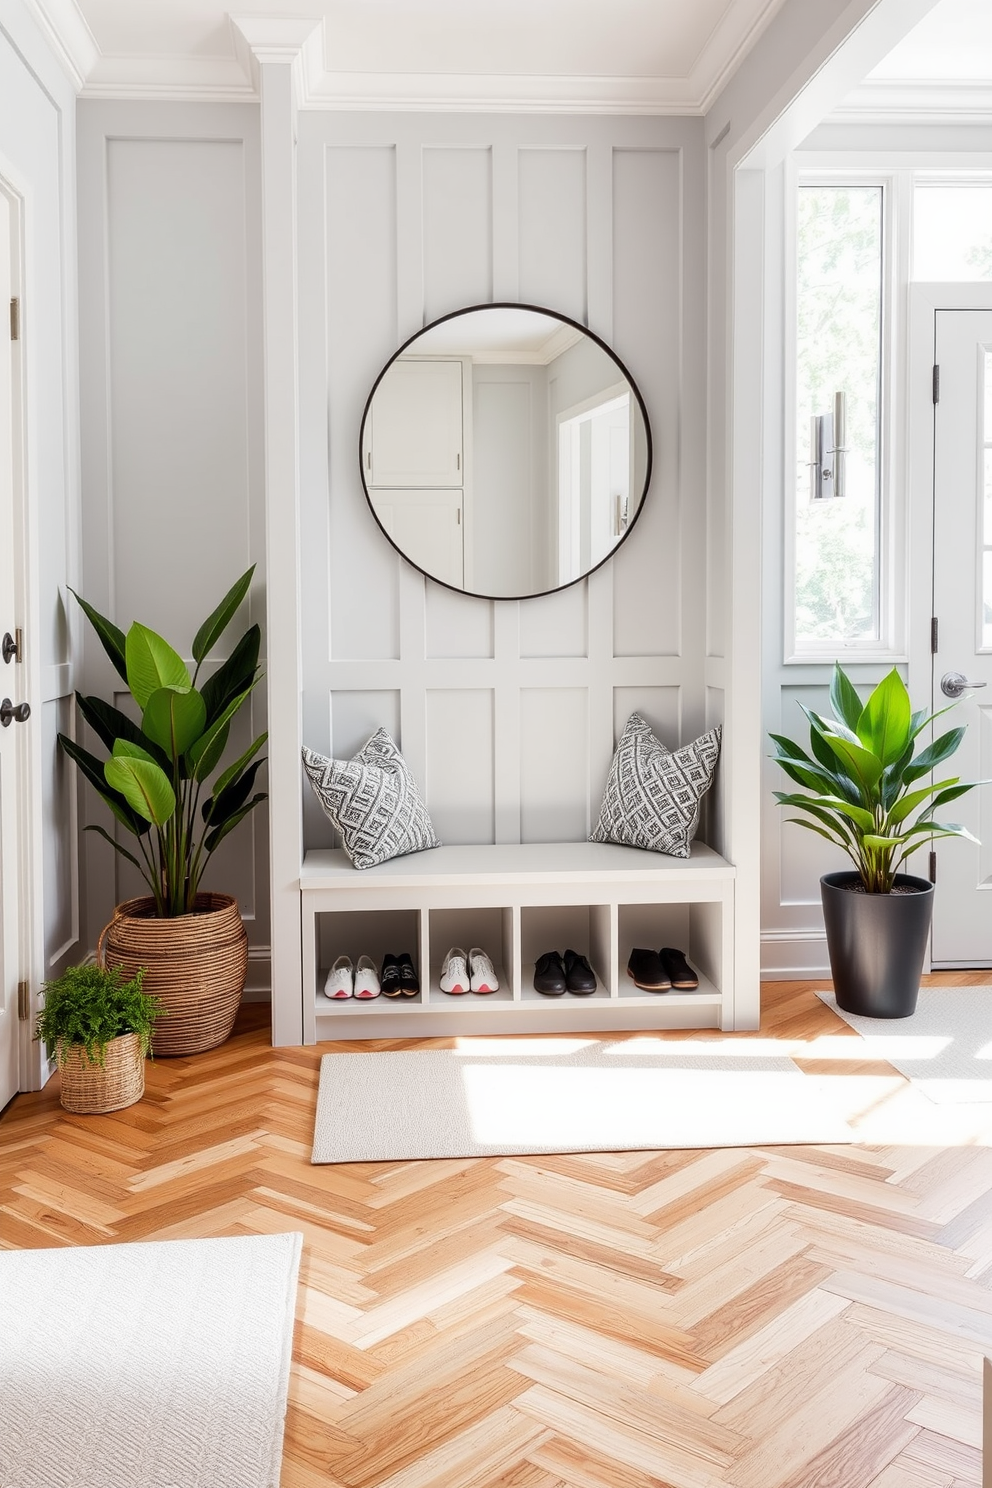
x: 413, y: 459
x: 533, y: 427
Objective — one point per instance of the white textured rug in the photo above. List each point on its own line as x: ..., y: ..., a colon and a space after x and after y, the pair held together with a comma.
x: 517, y: 1095
x: 945, y: 1048
x: 159, y: 1365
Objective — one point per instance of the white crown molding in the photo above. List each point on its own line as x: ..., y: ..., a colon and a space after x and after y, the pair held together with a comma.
x: 68, y: 37
x: 916, y: 101
x: 296, y: 42
x: 725, y: 49
x: 501, y: 93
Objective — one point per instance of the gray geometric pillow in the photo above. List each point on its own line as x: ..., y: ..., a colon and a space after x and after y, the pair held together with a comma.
x: 373, y: 801
x: 652, y: 796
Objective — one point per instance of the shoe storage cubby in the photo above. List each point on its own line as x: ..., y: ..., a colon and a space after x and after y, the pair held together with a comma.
x: 517, y: 901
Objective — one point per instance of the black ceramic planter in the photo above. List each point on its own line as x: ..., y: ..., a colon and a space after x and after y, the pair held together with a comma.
x: 876, y: 944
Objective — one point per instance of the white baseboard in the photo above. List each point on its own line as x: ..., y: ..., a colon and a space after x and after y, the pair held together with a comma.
x: 788, y: 956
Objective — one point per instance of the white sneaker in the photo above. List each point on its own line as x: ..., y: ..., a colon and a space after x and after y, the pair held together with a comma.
x: 454, y: 972
x: 482, y: 972
x: 366, y: 978
x: 340, y: 979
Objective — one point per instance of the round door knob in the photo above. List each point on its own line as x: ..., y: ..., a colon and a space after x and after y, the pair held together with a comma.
x: 953, y: 684
x: 13, y: 712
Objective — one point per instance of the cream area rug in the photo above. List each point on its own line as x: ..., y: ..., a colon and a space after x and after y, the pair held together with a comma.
x: 503, y: 1096
x: 945, y: 1048
x: 146, y: 1366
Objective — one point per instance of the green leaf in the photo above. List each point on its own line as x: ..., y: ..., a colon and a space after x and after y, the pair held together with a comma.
x: 864, y: 767
x: 881, y: 844
x: 916, y: 798
x: 208, y: 761
x: 144, y: 786
x: 884, y: 725
x: 951, y: 794
x: 214, y: 626
x: 233, y: 771
x: 92, y: 769
x: 811, y: 827
x: 234, y: 675
x: 833, y: 805
x: 934, y: 754
x: 844, y: 698
x: 199, y: 748
x: 174, y: 720
x: 110, y: 724
x: 124, y: 749
x: 224, y: 803
x: 111, y: 636
x: 218, y: 834
x: 151, y: 664
x: 92, y: 827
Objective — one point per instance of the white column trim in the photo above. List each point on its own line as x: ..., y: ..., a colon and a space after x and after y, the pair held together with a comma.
x: 277, y: 60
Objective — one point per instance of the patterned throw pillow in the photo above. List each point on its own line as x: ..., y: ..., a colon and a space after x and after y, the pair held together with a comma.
x: 652, y: 797
x: 373, y: 801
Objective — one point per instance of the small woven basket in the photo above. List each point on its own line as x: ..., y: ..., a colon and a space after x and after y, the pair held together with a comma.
x: 195, y: 964
x: 89, y: 1089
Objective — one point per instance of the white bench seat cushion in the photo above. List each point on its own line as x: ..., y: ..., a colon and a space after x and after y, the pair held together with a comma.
x: 373, y: 801
x: 652, y: 796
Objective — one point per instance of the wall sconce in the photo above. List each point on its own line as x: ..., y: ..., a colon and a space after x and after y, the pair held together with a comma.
x: 828, y: 452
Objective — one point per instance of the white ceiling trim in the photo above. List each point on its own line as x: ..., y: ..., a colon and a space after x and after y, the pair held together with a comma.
x: 70, y: 39
x: 232, y: 77
x: 916, y: 101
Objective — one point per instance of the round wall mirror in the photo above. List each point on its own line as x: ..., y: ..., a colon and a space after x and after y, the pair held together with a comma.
x: 505, y: 451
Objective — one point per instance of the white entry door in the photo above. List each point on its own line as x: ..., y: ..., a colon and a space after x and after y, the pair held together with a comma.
x: 11, y: 737
x: 962, y: 605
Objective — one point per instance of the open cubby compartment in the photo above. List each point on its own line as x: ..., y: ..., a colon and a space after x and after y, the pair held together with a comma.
x: 369, y: 932
x: 697, y: 928
x: 491, y: 929
x: 584, y: 928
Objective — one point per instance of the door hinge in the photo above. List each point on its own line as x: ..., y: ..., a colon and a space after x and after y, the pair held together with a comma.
x: 15, y: 320
x: 936, y: 383
x: 23, y: 1001
x: 933, y: 635
x: 933, y: 867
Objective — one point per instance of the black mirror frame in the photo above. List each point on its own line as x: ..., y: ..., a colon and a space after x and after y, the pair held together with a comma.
x: 566, y: 320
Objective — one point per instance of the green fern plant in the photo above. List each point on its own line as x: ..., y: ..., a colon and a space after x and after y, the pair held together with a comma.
x: 88, y: 1006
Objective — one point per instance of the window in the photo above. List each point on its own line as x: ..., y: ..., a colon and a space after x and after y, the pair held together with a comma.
x: 839, y: 262
x: 952, y: 231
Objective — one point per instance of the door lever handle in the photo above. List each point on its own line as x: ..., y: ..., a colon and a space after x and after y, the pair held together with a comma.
x: 953, y: 684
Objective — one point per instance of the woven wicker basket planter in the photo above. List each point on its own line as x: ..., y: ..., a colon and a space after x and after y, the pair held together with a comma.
x: 89, y: 1089
x: 195, y: 965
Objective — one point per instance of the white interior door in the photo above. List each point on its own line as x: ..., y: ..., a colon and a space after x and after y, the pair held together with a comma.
x: 11, y: 742
x: 962, y: 605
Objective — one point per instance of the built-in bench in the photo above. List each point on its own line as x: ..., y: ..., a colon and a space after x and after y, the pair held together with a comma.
x: 517, y: 901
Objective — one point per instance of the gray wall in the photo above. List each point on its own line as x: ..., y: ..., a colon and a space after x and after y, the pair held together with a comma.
x: 507, y: 712
x: 173, y: 496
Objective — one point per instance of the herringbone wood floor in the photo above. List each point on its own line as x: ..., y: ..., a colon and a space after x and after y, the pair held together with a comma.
x: 776, y: 1318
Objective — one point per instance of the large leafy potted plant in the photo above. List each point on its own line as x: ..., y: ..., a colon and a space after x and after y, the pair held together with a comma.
x: 866, y: 793
x: 161, y: 785
x: 98, y: 1026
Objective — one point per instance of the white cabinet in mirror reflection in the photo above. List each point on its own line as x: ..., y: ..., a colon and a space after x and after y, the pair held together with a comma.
x: 505, y: 451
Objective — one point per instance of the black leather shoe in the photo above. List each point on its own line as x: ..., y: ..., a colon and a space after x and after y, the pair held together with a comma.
x: 646, y: 970
x: 681, y: 973
x: 549, y: 975
x: 409, y: 980
x: 580, y: 978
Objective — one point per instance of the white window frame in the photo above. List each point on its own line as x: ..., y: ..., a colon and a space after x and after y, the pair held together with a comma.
x: 890, y: 643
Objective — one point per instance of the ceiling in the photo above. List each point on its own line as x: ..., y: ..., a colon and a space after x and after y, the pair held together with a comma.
x: 626, y: 56
x: 942, y: 67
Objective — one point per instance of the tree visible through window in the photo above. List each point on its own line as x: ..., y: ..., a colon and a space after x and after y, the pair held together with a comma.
x: 838, y: 304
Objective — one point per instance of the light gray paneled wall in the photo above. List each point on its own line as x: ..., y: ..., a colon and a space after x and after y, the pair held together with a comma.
x: 37, y: 164
x: 507, y: 712
x: 173, y: 496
